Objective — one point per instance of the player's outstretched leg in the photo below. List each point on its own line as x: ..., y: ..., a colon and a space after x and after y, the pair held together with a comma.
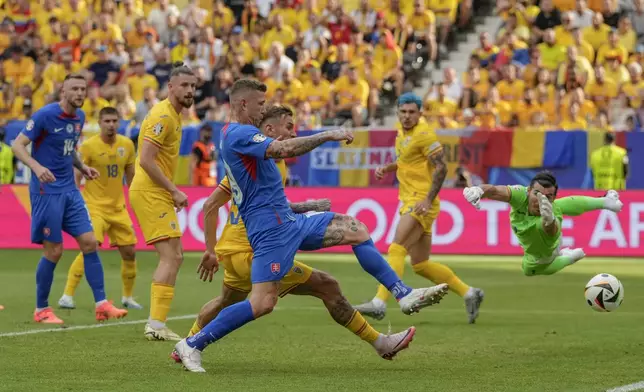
x: 94, y: 273
x: 323, y: 286
x: 262, y: 301
x: 52, y: 253
x: 74, y: 276
x: 346, y: 230
x: 128, y: 276
x: 566, y: 257
x: 577, y: 205
x: 414, y: 237
x: 212, y: 308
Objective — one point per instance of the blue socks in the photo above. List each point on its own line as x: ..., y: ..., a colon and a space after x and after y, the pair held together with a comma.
x: 94, y: 274
x: 372, y: 261
x: 44, y: 280
x: 228, y: 320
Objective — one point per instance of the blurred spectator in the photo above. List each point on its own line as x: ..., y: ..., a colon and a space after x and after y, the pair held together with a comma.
x: 144, y: 106
x: 278, y: 62
x: 203, y: 170
x: 18, y: 67
x: 105, y: 72
x: 204, y: 93
x: 7, y: 161
x: 94, y: 103
x: 352, y: 96
x: 158, y: 17
x: 138, y: 80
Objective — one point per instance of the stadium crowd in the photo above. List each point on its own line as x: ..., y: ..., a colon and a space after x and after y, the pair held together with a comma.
x: 554, y: 64
x: 330, y: 60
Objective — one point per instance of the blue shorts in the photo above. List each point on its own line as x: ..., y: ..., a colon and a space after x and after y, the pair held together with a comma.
x: 53, y: 214
x: 275, y: 248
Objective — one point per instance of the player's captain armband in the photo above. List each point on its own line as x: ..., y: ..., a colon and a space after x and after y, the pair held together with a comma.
x: 435, y: 147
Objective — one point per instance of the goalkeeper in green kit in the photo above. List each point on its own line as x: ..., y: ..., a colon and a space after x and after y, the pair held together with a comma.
x: 536, y: 219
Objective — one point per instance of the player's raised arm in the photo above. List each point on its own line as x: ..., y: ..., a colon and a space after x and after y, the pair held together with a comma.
x: 320, y: 205
x: 485, y: 191
x: 299, y: 146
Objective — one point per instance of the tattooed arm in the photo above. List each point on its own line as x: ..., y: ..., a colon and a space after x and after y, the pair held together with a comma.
x: 301, y: 145
x: 320, y: 205
x: 437, y: 162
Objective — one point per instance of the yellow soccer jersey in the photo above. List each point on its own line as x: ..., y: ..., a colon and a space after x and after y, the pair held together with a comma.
x: 412, y: 149
x: 234, y: 238
x: 161, y: 127
x: 110, y: 160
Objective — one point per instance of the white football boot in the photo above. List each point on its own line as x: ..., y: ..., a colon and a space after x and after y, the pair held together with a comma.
x: 189, y: 357
x: 130, y: 303
x: 160, y: 334
x: 574, y: 254
x: 374, y: 309
x: 612, y: 202
x: 422, y: 298
x: 387, y: 346
x: 473, y: 299
x: 66, y: 302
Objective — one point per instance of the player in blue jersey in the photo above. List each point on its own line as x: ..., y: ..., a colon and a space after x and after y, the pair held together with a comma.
x: 56, y: 202
x: 275, y: 232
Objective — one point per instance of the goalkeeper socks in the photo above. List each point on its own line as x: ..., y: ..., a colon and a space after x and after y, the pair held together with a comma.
x: 577, y: 205
x: 229, y: 319
x: 372, y: 261
x: 439, y: 273
x: 161, y: 296
x: 396, y: 259
x: 75, y: 274
x: 44, y: 280
x: 128, y: 275
x: 359, y: 326
x: 559, y: 263
x: 94, y: 274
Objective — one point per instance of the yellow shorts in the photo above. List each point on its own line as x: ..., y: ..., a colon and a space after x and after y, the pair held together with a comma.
x: 156, y: 215
x: 237, y: 273
x: 116, y: 224
x: 427, y: 220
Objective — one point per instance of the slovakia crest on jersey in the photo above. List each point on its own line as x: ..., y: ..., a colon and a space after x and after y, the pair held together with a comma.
x: 275, y: 268
x: 30, y: 125
x: 258, y: 138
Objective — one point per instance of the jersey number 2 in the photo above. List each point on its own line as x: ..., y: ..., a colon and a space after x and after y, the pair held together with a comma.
x: 112, y: 171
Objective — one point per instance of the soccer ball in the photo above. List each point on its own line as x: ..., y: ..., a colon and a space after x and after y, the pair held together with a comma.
x: 604, y: 293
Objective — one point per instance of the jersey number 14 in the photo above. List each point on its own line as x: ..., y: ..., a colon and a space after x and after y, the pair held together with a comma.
x: 69, y: 147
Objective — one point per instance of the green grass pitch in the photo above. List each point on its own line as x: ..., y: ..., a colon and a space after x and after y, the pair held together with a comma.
x: 534, y: 334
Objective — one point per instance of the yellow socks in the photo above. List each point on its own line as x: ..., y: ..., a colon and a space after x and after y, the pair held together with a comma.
x: 396, y: 259
x: 128, y: 275
x: 195, y: 328
x: 75, y: 274
x: 359, y: 326
x: 439, y: 273
x: 160, y: 300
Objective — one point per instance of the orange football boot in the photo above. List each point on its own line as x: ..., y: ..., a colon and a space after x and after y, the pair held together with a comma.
x: 108, y: 311
x: 47, y: 316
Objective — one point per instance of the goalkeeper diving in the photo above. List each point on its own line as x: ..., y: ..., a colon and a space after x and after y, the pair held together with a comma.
x: 536, y: 217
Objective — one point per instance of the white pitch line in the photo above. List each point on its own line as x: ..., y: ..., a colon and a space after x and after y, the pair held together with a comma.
x: 89, y: 326
x: 638, y: 386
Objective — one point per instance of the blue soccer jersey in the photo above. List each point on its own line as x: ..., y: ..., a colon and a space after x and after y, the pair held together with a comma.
x: 255, y: 181
x: 54, y: 135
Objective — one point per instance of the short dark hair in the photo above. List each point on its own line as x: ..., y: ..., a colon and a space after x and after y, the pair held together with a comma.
x: 179, y: 68
x: 107, y: 111
x: 243, y: 85
x: 277, y: 111
x: 546, y: 179
x: 609, y: 138
x: 74, y: 75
